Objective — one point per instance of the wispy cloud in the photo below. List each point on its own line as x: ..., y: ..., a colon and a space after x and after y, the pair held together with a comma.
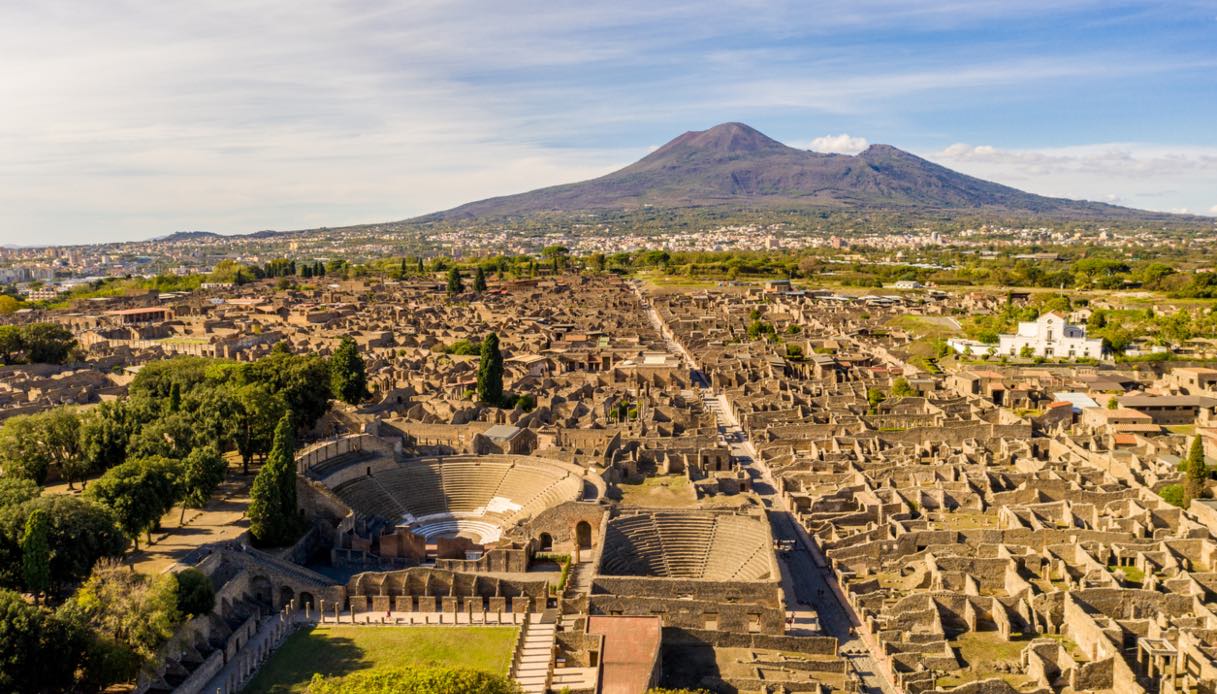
x: 133, y: 118
x: 1142, y: 175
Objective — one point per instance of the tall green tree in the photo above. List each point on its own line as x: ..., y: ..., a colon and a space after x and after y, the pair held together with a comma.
x: 255, y: 413
x: 201, y: 472
x: 490, y: 372
x: 1196, y: 472
x: 36, y: 554
x: 348, y: 376
x: 175, y: 397
x: 104, y: 434
x: 455, y: 284
x: 138, y: 492
x: 273, y: 516
x: 479, y: 280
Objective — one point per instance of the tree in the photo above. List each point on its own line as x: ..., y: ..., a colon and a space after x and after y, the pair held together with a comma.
x: 256, y: 411
x: 201, y: 472
x: 139, y: 492
x: 128, y: 609
x: 273, y: 518
x: 39, y: 651
x: 1113, y: 403
x: 31, y: 444
x: 301, y: 380
x: 37, y: 343
x: 195, y: 593
x: 874, y: 396
x: 36, y: 554
x: 17, y: 490
x: 418, y: 267
x: 80, y: 533
x: 172, y: 435
x: 455, y: 285
x: 348, y: 377
x: 175, y: 397
x: 104, y: 434
x: 1196, y: 472
x: 479, y: 280
x: 490, y: 372
x: 902, y: 388
x: 1026, y: 352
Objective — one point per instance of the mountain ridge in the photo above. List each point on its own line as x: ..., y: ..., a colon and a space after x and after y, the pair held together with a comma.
x: 733, y: 165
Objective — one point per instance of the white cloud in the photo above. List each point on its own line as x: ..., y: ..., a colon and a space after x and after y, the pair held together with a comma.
x: 839, y: 144
x: 1213, y: 209
x: 1153, y: 177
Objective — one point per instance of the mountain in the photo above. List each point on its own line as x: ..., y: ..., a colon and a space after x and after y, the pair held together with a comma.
x: 188, y: 236
x: 734, y: 165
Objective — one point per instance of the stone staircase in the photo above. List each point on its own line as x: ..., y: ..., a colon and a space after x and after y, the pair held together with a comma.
x: 533, y: 665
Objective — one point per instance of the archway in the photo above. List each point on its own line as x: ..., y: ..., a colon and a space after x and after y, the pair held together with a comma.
x: 261, y: 588
x: 583, y: 535
x: 306, y: 600
x: 285, y: 597
x: 546, y: 542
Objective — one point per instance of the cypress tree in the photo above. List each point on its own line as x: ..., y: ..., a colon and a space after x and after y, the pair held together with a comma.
x: 479, y: 280
x: 490, y: 372
x: 419, y: 267
x: 348, y: 377
x: 403, y: 267
x: 455, y: 285
x: 1195, y: 471
x: 36, y: 554
x: 175, y: 397
x: 272, y: 507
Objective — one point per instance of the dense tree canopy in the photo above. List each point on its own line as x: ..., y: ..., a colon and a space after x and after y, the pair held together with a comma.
x: 39, y: 651
x: 79, y: 533
x: 36, y: 343
x: 139, y: 492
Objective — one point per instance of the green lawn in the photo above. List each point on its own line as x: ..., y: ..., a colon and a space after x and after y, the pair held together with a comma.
x: 341, y: 650
x: 659, y: 491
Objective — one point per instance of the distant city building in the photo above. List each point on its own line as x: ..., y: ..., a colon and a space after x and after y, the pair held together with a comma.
x: 1050, y: 335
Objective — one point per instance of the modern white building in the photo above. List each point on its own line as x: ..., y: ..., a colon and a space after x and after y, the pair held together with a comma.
x: 1050, y: 335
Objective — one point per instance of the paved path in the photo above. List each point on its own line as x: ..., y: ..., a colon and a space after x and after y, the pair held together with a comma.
x: 808, y: 585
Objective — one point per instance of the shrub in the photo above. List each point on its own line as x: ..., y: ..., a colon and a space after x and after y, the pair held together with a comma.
x: 435, y: 680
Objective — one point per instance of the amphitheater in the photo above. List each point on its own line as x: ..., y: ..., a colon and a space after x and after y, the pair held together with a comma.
x: 701, y: 545
x: 475, y: 497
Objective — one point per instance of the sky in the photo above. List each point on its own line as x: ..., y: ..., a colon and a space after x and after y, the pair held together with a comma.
x: 130, y: 119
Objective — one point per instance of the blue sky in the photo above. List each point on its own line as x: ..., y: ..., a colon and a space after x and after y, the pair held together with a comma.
x: 131, y: 119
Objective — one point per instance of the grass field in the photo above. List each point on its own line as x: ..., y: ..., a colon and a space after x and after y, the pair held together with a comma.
x: 341, y: 650
x: 659, y: 491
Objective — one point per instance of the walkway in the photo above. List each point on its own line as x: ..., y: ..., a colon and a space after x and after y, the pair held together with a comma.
x: 811, y: 590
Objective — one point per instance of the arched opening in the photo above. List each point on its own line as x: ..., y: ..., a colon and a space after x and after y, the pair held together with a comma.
x: 261, y: 588
x: 285, y: 597
x: 583, y: 535
x: 306, y: 600
x: 545, y: 542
